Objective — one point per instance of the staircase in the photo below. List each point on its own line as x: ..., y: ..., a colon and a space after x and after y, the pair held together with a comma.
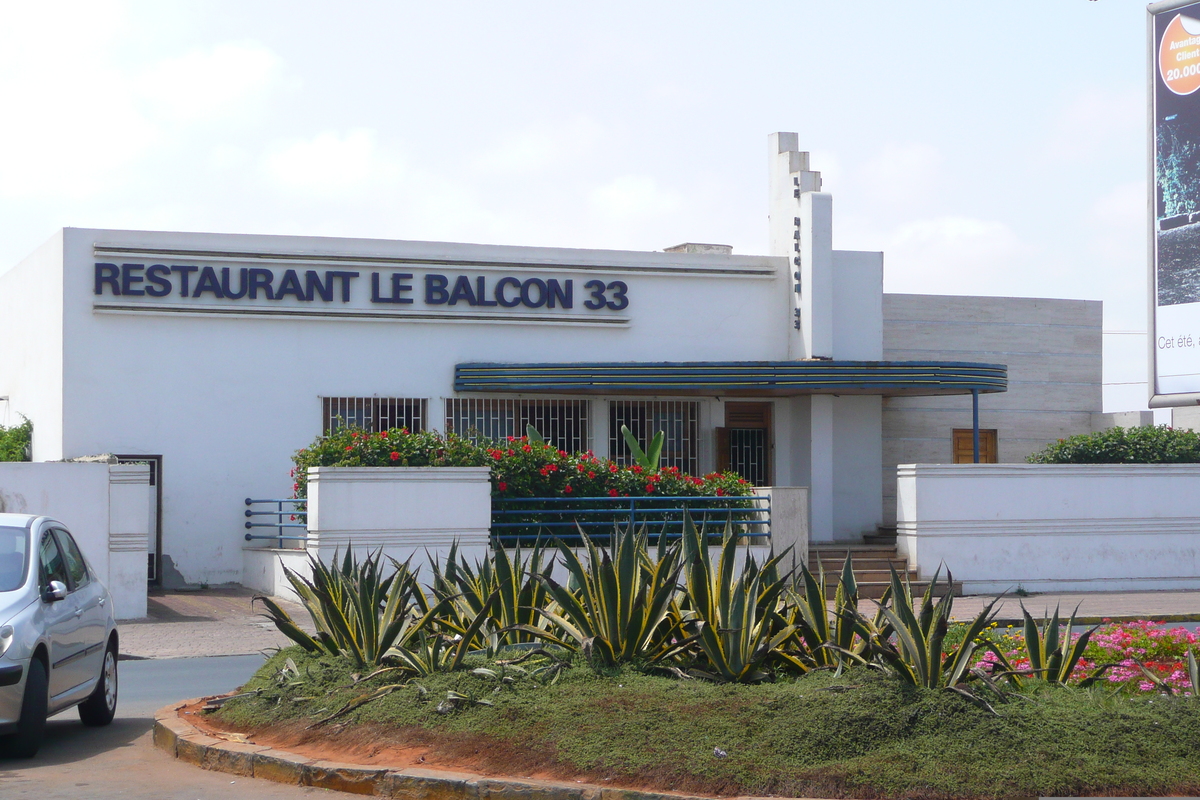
x: 872, y: 562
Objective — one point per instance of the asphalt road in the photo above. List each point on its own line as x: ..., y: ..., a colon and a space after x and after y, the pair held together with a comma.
x: 120, y: 763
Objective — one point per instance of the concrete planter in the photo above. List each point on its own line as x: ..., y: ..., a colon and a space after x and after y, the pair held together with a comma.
x: 1053, y: 527
x: 404, y: 511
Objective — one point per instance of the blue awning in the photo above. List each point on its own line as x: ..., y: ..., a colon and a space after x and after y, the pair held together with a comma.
x: 747, y: 378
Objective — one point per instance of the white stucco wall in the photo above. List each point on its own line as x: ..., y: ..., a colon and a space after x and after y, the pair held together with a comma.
x: 1053, y: 527
x: 1053, y: 352
x: 227, y: 399
x: 106, y: 507
x: 31, y: 347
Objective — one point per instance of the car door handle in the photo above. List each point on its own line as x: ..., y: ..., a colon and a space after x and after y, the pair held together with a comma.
x: 79, y: 612
x: 101, y: 603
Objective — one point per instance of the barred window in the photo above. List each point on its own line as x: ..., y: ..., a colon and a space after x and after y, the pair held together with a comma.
x: 373, y: 413
x: 678, y: 419
x: 563, y: 423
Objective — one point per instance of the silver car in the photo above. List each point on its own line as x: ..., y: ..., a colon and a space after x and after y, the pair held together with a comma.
x: 58, y: 639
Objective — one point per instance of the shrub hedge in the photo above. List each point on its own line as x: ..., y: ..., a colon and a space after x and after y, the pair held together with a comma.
x: 519, y: 467
x: 15, y: 441
x: 1144, y: 445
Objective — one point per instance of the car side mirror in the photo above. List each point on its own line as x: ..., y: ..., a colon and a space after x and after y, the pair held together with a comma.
x: 56, y: 591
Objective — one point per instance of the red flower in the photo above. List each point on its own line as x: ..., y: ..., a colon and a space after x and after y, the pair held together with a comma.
x: 545, y: 471
x: 349, y: 447
x: 295, y: 487
x: 383, y: 434
x: 720, y: 492
x: 395, y: 456
x: 637, y: 469
x: 512, y: 438
x: 527, y: 448
x: 741, y: 480
x: 512, y: 452
x: 496, y: 454
x: 562, y: 453
x: 552, y: 467
x: 591, y: 474
x: 613, y: 467
x: 502, y: 486
x: 649, y: 487
x: 612, y: 492
x: 567, y: 489
x: 579, y: 467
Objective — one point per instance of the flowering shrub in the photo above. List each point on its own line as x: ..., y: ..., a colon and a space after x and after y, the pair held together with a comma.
x: 352, y: 447
x: 519, y: 467
x: 1123, y: 644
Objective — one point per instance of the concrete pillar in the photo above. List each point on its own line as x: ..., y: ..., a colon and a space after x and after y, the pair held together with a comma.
x: 821, y: 472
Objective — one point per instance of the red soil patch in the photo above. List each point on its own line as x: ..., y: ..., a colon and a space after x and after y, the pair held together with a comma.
x: 399, y: 748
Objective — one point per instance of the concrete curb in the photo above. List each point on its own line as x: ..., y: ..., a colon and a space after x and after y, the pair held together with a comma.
x: 185, y: 743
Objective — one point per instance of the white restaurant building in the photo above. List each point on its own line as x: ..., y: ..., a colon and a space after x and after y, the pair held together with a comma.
x: 215, y: 357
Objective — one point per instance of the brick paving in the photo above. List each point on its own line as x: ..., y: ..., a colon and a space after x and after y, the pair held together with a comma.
x: 211, y: 622
x: 1176, y: 606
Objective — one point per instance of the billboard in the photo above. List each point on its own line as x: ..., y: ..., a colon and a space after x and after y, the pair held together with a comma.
x: 1174, y: 38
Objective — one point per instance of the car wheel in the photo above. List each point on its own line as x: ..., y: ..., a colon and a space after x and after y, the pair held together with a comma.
x: 101, y: 706
x: 32, y: 722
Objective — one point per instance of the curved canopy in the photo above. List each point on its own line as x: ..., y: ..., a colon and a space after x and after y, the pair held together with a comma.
x: 749, y: 378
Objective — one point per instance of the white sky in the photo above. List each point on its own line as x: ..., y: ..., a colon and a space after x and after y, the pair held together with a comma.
x: 987, y: 148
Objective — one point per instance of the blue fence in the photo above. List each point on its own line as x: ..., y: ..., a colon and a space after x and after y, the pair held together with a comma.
x: 288, y: 514
x: 526, y: 519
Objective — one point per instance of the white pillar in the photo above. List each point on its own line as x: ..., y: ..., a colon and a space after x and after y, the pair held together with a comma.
x: 821, y: 472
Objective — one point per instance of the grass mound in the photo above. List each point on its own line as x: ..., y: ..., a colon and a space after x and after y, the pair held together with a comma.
x: 863, y: 734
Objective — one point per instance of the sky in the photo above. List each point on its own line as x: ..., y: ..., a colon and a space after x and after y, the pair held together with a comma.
x: 986, y: 148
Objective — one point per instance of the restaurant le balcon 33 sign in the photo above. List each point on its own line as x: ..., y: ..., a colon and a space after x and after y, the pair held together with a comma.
x: 390, y: 294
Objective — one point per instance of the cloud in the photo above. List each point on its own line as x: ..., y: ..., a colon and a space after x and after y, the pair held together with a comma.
x: 1095, y: 123
x: 204, y: 83
x: 70, y: 123
x: 539, y: 147
x: 901, y: 175
x: 331, y: 162
x: 953, y: 255
x: 634, y: 196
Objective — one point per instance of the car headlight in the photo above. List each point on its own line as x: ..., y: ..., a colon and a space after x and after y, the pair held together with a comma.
x: 6, y: 638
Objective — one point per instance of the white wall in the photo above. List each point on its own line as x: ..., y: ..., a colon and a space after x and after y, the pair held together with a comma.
x: 400, y: 510
x: 107, y: 509
x: 1053, y: 527
x: 226, y: 400
x: 1052, y: 349
x: 31, y: 347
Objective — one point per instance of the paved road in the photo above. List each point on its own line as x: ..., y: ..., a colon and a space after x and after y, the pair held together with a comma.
x: 120, y: 763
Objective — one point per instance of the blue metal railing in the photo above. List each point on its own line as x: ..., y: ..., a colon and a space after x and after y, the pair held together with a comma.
x: 295, y: 511
x: 518, y: 519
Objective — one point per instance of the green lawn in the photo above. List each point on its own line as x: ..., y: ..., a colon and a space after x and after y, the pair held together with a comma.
x: 859, y: 735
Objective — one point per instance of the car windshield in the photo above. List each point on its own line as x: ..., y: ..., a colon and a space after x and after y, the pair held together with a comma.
x: 14, y: 549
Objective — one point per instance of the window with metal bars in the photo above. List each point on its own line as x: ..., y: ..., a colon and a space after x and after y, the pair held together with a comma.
x: 373, y: 413
x: 563, y: 423
x: 678, y: 419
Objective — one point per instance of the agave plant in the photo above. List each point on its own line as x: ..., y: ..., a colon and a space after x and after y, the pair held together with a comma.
x: 918, y: 656
x: 357, y: 611
x: 513, y: 579
x: 829, y: 640
x: 734, y: 617
x: 426, y: 652
x: 1051, y: 653
x: 652, y: 456
x: 615, y: 609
